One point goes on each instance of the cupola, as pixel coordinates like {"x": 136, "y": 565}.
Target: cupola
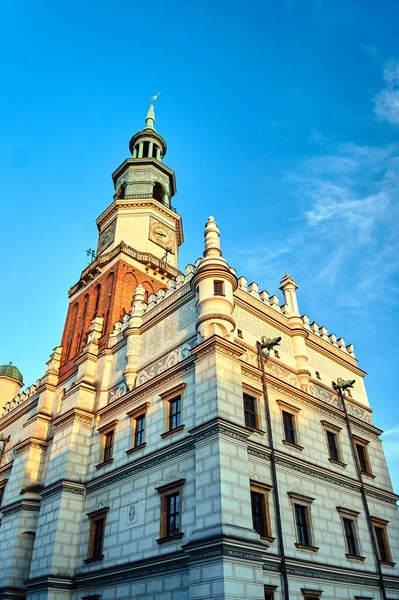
{"x": 11, "y": 381}
{"x": 148, "y": 143}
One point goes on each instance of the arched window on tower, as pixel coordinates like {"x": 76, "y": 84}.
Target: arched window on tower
{"x": 72, "y": 326}
{"x": 154, "y": 151}
{"x": 146, "y": 148}
{"x": 158, "y": 192}
{"x": 97, "y": 300}
{"x": 82, "y": 333}
{"x": 137, "y": 146}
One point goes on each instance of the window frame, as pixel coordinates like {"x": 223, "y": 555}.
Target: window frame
{"x": 216, "y": 283}
{"x": 3, "y": 485}
{"x": 269, "y": 591}
{"x": 168, "y": 397}
{"x": 334, "y": 430}
{"x": 364, "y": 444}
{"x": 293, "y": 411}
{"x": 382, "y": 524}
{"x": 104, "y": 432}
{"x": 263, "y": 490}
{"x": 351, "y": 515}
{"x": 165, "y": 492}
{"x": 305, "y": 502}
{"x": 134, "y": 414}
{"x": 311, "y": 594}
{"x": 95, "y": 517}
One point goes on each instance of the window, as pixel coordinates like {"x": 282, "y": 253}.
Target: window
{"x": 311, "y": 594}
{"x": 174, "y": 413}
{"x": 250, "y": 411}
{"x": 158, "y": 192}
{"x": 289, "y": 428}
{"x": 146, "y": 147}
{"x": 349, "y": 527}
{"x": 173, "y": 409}
{"x": 107, "y": 433}
{"x": 276, "y": 353}
{"x": 108, "y": 445}
{"x": 289, "y": 422}
{"x": 362, "y": 455}
{"x": 96, "y": 536}
{"x": 381, "y": 538}
{"x": 303, "y": 522}
{"x": 139, "y": 431}
{"x": 302, "y": 525}
{"x": 138, "y": 418}
{"x": 2, "y": 490}
{"x": 218, "y": 288}
{"x": 332, "y": 440}
{"x": 318, "y": 375}
{"x": 260, "y": 508}
{"x": 171, "y": 511}
{"x": 269, "y": 591}
{"x": 239, "y": 334}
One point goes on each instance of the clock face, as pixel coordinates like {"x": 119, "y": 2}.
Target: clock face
{"x": 106, "y": 237}
{"x": 161, "y": 234}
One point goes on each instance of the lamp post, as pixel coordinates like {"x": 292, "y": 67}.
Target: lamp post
{"x": 340, "y": 386}
{"x": 264, "y": 348}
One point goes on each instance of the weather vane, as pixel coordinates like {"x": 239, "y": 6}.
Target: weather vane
{"x": 91, "y": 253}
{"x": 154, "y": 98}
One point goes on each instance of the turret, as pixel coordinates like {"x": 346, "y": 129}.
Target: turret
{"x": 214, "y": 284}
{"x": 11, "y": 381}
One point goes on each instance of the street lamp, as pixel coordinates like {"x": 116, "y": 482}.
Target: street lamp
{"x": 341, "y": 386}
{"x": 265, "y": 346}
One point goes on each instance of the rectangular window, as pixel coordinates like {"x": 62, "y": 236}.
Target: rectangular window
{"x": 302, "y": 525}
{"x": 218, "y": 288}
{"x": 173, "y": 514}
{"x": 108, "y": 445}
{"x": 350, "y": 536}
{"x": 269, "y": 592}
{"x": 332, "y": 440}
{"x": 175, "y": 413}
{"x": 289, "y": 427}
{"x": 139, "y": 432}
{"x": 258, "y": 513}
{"x": 171, "y": 510}
{"x": 2, "y": 490}
{"x": 362, "y": 456}
{"x": 96, "y": 536}
{"x": 250, "y": 411}
{"x": 381, "y": 538}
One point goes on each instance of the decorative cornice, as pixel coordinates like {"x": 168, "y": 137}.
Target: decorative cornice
{"x": 20, "y": 505}
{"x": 28, "y": 444}
{"x": 74, "y": 414}
{"x": 215, "y": 343}
{"x": 219, "y": 426}
{"x": 63, "y": 487}
{"x": 49, "y": 582}
{"x": 215, "y": 316}
{"x": 167, "y": 305}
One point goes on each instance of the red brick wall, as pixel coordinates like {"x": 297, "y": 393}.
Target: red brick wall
{"x": 109, "y": 296}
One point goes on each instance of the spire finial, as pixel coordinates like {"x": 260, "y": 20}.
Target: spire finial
{"x": 150, "y": 118}
{"x": 212, "y": 238}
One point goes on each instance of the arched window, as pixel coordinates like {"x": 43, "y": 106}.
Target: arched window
{"x": 157, "y": 192}
{"x": 154, "y": 151}
{"x": 107, "y": 302}
{"x": 74, "y": 315}
{"x": 82, "y": 332}
{"x": 137, "y": 146}
{"x": 97, "y": 300}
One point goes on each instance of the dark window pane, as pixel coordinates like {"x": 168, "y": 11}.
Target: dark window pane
{"x": 351, "y": 542}
{"x": 289, "y": 430}
{"x": 174, "y": 413}
{"x": 362, "y": 456}
{"x": 258, "y": 513}
{"x": 98, "y": 540}
{"x": 302, "y": 526}
{"x": 250, "y": 411}
{"x": 381, "y": 543}
{"x": 140, "y": 430}
{"x": 269, "y": 596}
{"x": 109, "y": 445}
{"x": 218, "y": 288}
{"x": 332, "y": 445}
{"x": 173, "y": 514}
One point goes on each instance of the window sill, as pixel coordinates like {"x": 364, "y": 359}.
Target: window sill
{"x": 267, "y": 538}
{"x": 291, "y": 445}
{"x": 131, "y": 450}
{"x": 105, "y": 463}
{"x": 307, "y": 548}
{"x": 337, "y": 462}
{"x": 356, "y": 558}
{"x": 167, "y": 433}
{"x": 254, "y": 429}
{"x": 368, "y": 474}
{"x": 386, "y": 563}
{"x": 171, "y": 538}
{"x": 93, "y": 559}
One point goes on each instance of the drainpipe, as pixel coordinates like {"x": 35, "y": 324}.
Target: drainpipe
{"x": 261, "y": 346}
{"x": 340, "y": 386}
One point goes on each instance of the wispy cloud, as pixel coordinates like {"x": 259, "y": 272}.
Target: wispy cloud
{"x": 387, "y": 101}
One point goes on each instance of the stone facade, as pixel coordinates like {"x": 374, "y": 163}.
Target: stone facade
{"x": 86, "y": 505}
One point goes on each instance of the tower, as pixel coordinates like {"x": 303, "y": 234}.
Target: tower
{"x": 139, "y": 235}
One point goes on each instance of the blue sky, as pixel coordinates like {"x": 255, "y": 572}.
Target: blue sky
{"x": 282, "y": 121}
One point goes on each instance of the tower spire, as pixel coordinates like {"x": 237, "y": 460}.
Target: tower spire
{"x": 150, "y": 118}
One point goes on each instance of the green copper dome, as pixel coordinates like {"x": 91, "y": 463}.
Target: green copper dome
{"x": 11, "y": 371}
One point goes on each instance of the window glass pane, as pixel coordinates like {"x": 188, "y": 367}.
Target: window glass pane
{"x": 302, "y": 525}
{"x": 362, "y": 455}
{"x": 332, "y": 445}
{"x": 258, "y": 513}
{"x": 250, "y": 411}
{"x": 349, "y": 528}
{"x": 381, "y": 543}
{"x": 140, "y": 429}
{"x": 289, "y": 431}
{"x": 175, "y": 413}
{"x": 98, "y": 537}
{"x": 173, "y": 514}
{"x": 108, "y": 446}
